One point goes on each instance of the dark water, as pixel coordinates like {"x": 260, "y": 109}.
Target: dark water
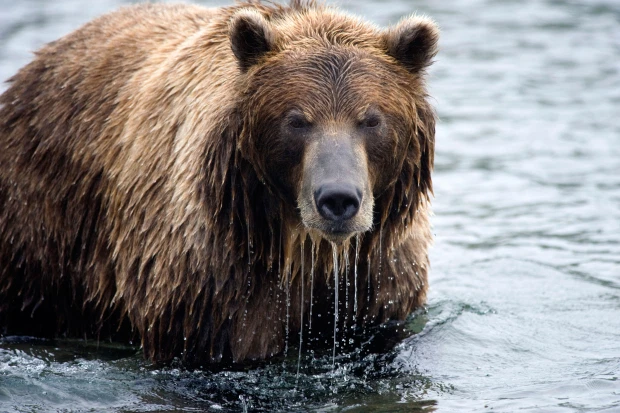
{"x": 524, "y": 306}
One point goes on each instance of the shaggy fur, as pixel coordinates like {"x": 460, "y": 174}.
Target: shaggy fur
{"x": 144, "y": 192}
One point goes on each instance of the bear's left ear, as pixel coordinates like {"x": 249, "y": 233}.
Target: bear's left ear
{"x": 413, "y": 42}
{"x": 251, "y": 36}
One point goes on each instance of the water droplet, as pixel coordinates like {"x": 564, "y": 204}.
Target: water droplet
{"x": 357, "y": 256}
{"x": 301, "y": 311}
{"x": 335, "y": 264}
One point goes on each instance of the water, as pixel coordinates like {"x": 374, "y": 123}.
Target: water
{"x": 302, "y": 274}
{"x": 524, "y": 303}
{"x": 336, "y": 313}
{"x": 357, "y": 256}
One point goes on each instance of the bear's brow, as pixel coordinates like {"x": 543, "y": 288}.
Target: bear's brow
{"x": 333, "y": 67}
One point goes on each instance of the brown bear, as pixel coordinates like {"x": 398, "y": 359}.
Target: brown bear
{"x": 208, "y": 180}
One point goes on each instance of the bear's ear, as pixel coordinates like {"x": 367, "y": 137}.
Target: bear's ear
{"x": 413, "y": 42}
{"x": 251, "y": 37}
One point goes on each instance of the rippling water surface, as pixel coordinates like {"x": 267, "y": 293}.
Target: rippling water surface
{"x": 524, "y": 306}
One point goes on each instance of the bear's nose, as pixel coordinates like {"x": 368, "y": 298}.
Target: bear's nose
{"x": 338, "y": 201}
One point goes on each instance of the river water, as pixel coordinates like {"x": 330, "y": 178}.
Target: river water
{"x": 524, "y": 305}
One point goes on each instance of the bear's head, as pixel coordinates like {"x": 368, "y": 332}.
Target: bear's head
{"x": 336, "y": 121}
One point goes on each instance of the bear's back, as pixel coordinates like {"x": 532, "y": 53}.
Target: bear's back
{"x": 57, "y": 162}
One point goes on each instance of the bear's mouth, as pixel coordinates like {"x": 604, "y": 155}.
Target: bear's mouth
{"x": 337, "y": 235}
{"x": 337, "y": 232}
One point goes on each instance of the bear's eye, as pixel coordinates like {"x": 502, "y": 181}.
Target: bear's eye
{"x": 371, "y": 121}
{"x": 298, "y": 121}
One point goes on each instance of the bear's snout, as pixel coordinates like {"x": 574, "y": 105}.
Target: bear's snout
{"x": 335, "y": 196}
{"x": 338, "y": 201}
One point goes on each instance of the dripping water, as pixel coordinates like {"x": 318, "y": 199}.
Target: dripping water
{"x": 249, "y": 246}
{"x": 366, "y": 320}
{"x": 301, "y": 311}
{"x": 270, "y": 264}
{"x": 280, "y": 254}
{"x": 249, "y": 278}
{"x": 380, "y": 263}
{"x": 346, "y": 283}
{"x": 288, "y": 308}
{"x": 311, "y": 292}
{"x": 357, "y": 256}
{"x": 280, "y": 283}
{"x": 335, "y": 257}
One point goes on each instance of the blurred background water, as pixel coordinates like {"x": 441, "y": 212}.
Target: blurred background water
{"x": 524, "y": 306}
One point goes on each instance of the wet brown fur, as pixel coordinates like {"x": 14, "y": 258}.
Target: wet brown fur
{"x": 135, "y": 202}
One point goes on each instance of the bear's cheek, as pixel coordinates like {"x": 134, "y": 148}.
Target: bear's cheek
{"x": 281, "y": 160}
{"x": 384, "y": 155}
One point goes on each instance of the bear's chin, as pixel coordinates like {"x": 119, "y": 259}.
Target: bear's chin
{"x": 334, "y": 234}
{"x": 337, "y": 237}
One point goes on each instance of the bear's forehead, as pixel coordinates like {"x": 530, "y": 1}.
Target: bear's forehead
{"x": 329, "y": 63}
{"x": 332, "y": 70}
{"x": 323, "y": 27}
{"x": 331, "y": 82}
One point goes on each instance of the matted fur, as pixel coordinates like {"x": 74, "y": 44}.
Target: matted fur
{"x": 136, "y": 202}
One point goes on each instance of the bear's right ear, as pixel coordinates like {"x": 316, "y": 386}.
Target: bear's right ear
{"x": 251, "y": 37}
{"x": 413, "y": 42}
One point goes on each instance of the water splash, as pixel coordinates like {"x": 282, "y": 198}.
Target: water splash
{"x": 244, "y": 404}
